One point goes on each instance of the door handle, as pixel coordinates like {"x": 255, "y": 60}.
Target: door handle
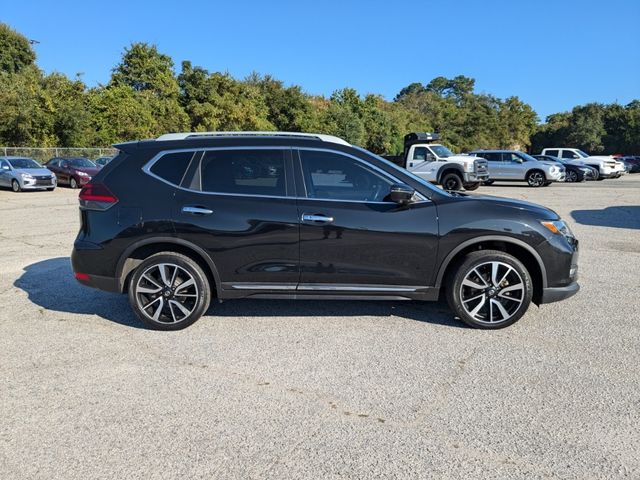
{"x": 316, "y": 218}
{"x": 196, "y": 210}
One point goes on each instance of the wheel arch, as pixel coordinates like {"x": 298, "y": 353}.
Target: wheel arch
{"x": 138, "y": 251}
{"x": 519, "y": 249}
{"x": 452, "y": 168}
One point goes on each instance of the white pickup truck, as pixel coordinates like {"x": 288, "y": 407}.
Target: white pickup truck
{"x": 607, "y": 166}
{"x": 437, "y": 164}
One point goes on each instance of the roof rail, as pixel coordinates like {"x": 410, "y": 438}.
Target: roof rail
{"x": 318, "y": 136}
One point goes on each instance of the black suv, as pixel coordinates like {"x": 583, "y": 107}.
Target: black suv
{"x": 185, "y": 218}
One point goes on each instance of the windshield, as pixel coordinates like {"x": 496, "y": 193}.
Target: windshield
{"x": 582, "y": 154}
{"x": 403, "y": 171}
{"x": 527, "y": 157}
{"x": 441, "y": 151}
{"x": 81, "y": 163}
{"x": 24, "y": 163}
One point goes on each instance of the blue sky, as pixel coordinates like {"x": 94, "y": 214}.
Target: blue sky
{"x": 552, "y": 54}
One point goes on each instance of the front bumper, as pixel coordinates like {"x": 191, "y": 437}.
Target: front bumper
{"x": 473, "y": 177}
{"x": 556, "y": 177}
{"x": 555, "y": 294}
{"x": 37, "y": 183}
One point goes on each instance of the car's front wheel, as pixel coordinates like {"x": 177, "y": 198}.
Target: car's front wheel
{"x": 489, "y": 289}
{"x": 572, "y": 176}
{"x": 452, "y": 181}
{"x": 471, "y": 186}
{"x": 169, "y": 291}
{"x": 536, "y": 178}
{"x": 15, "y": 186}
{"x": 73, "y": 183}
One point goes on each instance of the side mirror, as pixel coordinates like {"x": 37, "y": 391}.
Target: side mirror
{"x": 5, "y": 167}
{"x": 64, "y": 165}
{"x": 401, "y": 193}
{"x": 431, "y": 157}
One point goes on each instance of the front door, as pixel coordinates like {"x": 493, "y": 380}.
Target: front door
{"x": 352, "y": 238}
{"x": 240, "y": 208}
{"x": 5, "y": 174}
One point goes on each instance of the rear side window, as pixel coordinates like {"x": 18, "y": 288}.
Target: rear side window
{"x": 244, "y": 172}
{"x": 171, "y": 166}
{"x": 553, "y": 153}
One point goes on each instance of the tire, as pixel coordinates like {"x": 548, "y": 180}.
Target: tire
{"x": 546, "y": 184}
{"x": 488, "y": 182}
{"x": 571, "y": 176}
{"x": 451, "y": 181}
{"x": 471, "y": 186}
{"x": 73, "y": 183}
{"x": 51, "y": 189}
{"x": 470, "y": 303}
{"x": 536, "y": 178}
{"x": 15, "y": 186}
{"x": 159, "y": 301}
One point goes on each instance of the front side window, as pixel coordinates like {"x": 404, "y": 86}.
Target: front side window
{"x": 568, "y": 154}
{"x": 331, "y": 176}
{"x": 4, "y": 165}
{"x": 244, "y": 172}
{"x": 171, "y": 166}
{"x": 420, "y": 153}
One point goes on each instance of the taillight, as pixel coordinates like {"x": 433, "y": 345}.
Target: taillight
{"x": 96, "y": 196}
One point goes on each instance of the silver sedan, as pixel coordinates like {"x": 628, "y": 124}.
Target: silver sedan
{"x": 20, "y": 173}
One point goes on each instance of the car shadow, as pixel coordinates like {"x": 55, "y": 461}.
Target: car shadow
{"x": 627, "y": 216}
{"x": 50, "y": 284}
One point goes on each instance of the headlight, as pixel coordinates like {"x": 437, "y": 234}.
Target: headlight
{"x": 469, "y": 167}
{"x": 553, "y": 169}
{"x": 26, "y": 176}
{"x": 82, "y": 174}
{"x": 558, "y": 227}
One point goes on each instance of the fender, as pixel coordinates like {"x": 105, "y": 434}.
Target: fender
{"x": 491, "y": 238}
{"x": 177, "y": 241}
{"x": 450, "y": 166}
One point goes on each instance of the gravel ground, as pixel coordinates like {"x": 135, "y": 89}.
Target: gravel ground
{"x": 280, "y": 389}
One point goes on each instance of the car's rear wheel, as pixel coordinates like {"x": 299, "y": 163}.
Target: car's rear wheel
{"x": 169, "y": 291}
{"x": 15, "y": 185}
{"x": 73, "y": 183}
{"x": 452, "y": 181}
{"x": 471, "y": 186}
{"x": 536, "y": 178}
{"x": 572, "y": 176}
{"x": 489, "y": 289}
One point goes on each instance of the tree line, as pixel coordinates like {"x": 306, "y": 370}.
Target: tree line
{"x": 145, "y": 98}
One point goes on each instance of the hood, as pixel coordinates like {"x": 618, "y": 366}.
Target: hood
{"x": 88, "y": 170}
{"x": 551, "y": 164}
{"x": 36, "y": 172}
{"x": 541, "y": 212}
{"x": 463, "y": 158}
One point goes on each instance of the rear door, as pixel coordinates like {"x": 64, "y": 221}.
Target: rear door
{"x": 494, "y": 161}
{"x": 238, "y": 205}
{"x": 352, "y": 238}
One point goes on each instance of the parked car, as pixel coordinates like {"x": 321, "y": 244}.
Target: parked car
{"x": 102, "y": 161}
{"x": 72, "y": 171}
{"x": 631, "y": 162}
{"x": 607, "y": 166}
{"x": 513, "y": 165}
{"x": 437, "y": 164}
{"x": 575, "y": 171}
{"x": 179, "y": 220}
{"x": 21, "y": 173}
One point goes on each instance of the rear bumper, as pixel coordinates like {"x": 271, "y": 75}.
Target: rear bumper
{"x": 108, "y": 284}
{"x": 555, "y": 294}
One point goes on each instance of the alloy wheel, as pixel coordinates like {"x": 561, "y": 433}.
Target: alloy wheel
{"x": 492, "y": 292}
{"x": 166, "y": 293}
{"x": 572, "y": 176}
{"x": 15, "y": 186}
{"x": 536, "y": 179}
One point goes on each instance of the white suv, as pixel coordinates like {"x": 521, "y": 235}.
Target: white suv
{"x": 607, "y": 166}
{"x": 513, "y": 165}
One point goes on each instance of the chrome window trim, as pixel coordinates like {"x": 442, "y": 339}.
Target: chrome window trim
{"x": 146, "y": 168}
{"x": 384, "y": 173}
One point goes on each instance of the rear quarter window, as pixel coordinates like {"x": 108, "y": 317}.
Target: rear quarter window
{"x": 172, "y": 166}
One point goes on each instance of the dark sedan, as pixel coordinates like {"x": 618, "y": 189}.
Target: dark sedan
{"x": 72, "y": 171}
{"x": 576, "y": 171}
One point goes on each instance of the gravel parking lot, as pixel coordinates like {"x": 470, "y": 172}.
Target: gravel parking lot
{"x": 281, "y": 389}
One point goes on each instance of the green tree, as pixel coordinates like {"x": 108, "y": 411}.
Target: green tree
{"x": 15, "y": 50}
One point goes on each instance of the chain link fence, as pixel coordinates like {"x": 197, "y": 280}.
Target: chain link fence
{"x": 42, "y": 155}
